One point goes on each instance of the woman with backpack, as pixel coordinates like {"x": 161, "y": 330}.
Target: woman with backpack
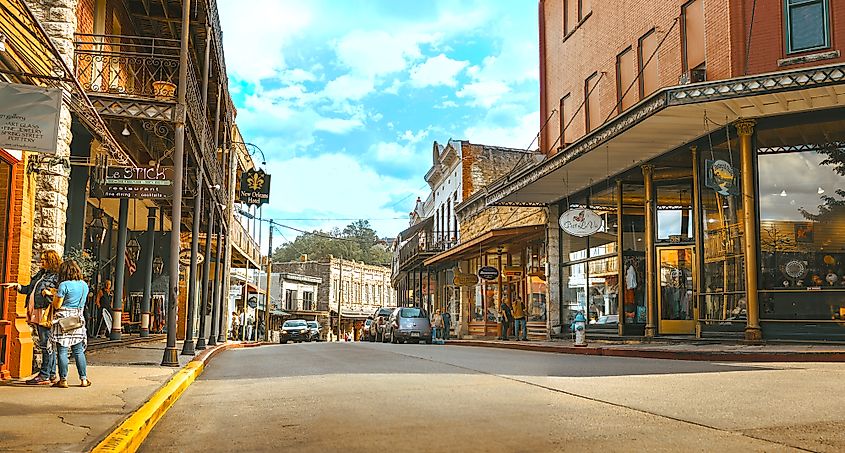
{"x": 68, "y": 330}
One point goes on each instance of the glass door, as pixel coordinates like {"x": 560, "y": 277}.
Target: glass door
{"x": 675, "y": 295}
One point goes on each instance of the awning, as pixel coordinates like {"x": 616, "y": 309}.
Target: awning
{"x": 353, "y": 314}
{"x": 413, "y": 229}
{"x": 279, "y": 313}
{"x": 666, "y": 120}
{"x": 492, "y": 238}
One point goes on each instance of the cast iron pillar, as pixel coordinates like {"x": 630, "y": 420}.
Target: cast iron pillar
{"x": 745, "y": 130}
{"x": 620, "y": 255}
{"x": 188, "y": 345}
{"x": 206, "y": 265}
{"x": 216, "y": 283}
{"x": 119, "y": 270}
{"x": 650, "y": 252}
{"x": 148, "y": 272}
{"x": 171, "y": 354}
{"x": 222, "y": 295}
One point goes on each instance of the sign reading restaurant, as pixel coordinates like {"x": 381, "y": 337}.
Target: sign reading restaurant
{"x": 134, "y": 182}
{"x": 29, "y": 117}
{"x": 255, "y": 188}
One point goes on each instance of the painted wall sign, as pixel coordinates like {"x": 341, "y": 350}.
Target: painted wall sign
{"x": 133, "y": 182}
{"x": 721, "y": 177}
{"x": 255, "y": 188}
{"x": 465, "y": 280}
{"x": 488, "y": 273}
{"x": 580, "y": 222}
{"x": 29, "y": 117}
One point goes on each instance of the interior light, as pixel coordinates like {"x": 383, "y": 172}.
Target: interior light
{"x": 2, "y": 42}
{"x": 125, "y": 132}
{"x": 711, "y": 220}
{"x": 783, "y": 193}
{"x": 821, "y": 191}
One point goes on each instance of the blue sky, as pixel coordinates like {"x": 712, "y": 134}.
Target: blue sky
{"x": 346, "y": 97}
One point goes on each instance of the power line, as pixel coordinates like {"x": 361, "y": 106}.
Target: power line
{"x": 386, "y": 218}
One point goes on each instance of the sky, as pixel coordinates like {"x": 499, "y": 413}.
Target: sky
{"x": 346, "y": 97}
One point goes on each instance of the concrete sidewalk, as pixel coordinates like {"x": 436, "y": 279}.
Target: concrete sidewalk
{"x": 45, "y": 419}
{"x": 674, "y": 350}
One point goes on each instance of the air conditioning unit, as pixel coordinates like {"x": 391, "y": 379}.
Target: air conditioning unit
{"x": 693, "y": 76}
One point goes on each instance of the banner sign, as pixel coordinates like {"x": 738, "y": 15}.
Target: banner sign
{"x": 580, "y": 222}
{"x": 465, "y": 280}
{"x": 29, "y": 117}
{"x": 133, "y": 182}
{"x": 488, "y": 273}
{"x": 721, "y": 177}
{"x": 255, "y": 188}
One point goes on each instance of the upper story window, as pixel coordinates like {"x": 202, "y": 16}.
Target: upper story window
{"x": 574, "y": 11}
{"x": 626, "y": 73}
{"x": 592, "y": 112}
{"x": 564, "y": 109}
{"x": 807, "y": 25}
{"x": 647, "y": 63}
{"x": 692, "y": 14}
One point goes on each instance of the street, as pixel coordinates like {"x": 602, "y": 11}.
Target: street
{"x": 383, "y": 397}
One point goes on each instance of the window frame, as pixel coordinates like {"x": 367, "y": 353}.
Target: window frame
{"x": 587, "y": 82}
{"x": 619, "y": 94}
{"x": 787, "y": 30}
{"x": 641, "y": 61}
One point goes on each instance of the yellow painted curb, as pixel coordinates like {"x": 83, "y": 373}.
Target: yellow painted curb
{"x": 129, "y": 436}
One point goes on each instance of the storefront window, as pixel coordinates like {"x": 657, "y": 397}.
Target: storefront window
{"x": 537, "y": 287}
{"x": 723, "y": 272}
{"x": 674, "y": 215}
{"x": 802, "y": 235}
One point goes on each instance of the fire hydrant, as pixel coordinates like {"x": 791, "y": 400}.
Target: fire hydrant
{"x": 579, "y": 328}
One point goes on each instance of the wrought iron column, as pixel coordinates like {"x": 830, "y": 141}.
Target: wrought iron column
{"x": 188, "y": 345}
{"x": 171, "y": 354}
{"x": 620, "y": 256}
{"x": 697, "y": 225}
{"x": 215, "y": 298}
{"x": 650, "y": 252}
{"x": 206, "y": 265}
{"x": 745, "y": 130}
{"x": 223, "y": 294}
{"x": 269, "y": 285}
{"x": 119, "y": 270}
{"x": 148, "y": 272}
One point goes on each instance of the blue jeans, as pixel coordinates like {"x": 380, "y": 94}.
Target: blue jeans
{"x": 521, "y": 326}
{"x": 78, "y": 352}
{"x": 446, "y": 328}
{"x": 48, "y": 358}
{"x": 434, "y": 333}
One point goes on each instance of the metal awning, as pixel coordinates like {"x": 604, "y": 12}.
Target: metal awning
{"x": 666, "y": 120}
{"x": 492, "y": 238}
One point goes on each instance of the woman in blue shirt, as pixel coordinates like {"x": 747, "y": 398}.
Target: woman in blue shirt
{"x": 69, "y": 300}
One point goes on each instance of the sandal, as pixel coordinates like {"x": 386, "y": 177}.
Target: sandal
{"x": 85, "y": 383}
{"x": 61, "y": 384}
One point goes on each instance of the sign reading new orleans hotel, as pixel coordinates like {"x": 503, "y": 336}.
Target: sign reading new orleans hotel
{"x": 134, "y": 182}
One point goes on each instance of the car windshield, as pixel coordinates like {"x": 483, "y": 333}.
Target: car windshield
{"x": 412, "y": 313}
{"x": 385, "y": 312}
{"x": 313, "y": 324}
{"x": 293, "y": 324}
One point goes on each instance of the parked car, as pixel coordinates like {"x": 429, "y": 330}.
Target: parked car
{"x": 294, "y": 330}
{"x": 408, "y": 324}
{"x": 379, "y": 321}
{"x": 313, "y": 331}
{"x": 608, "y": 319}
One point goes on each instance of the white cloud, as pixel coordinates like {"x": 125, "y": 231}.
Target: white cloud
{"x": 439, "y": 70}
{"x": 392, "y": 152}
{"x": 447, "y": 104}
{"x": 337, "y": 125}
{"x": 484, "y": 93}
{"x": 518, "y": 134}
{"x": 348, "y": 87}
{"x": 414, "y": 138}
{"x": 376, "y": 53}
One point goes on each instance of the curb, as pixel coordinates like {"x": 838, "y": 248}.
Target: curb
{"x": 698, "y": 356}
{"x": 130, "y": 434}
{"x": 115, "y": 343}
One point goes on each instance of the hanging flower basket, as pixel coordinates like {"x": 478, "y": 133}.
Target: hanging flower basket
{"x": 164, "y": 90}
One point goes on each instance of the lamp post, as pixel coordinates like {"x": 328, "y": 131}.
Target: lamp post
{"x": 134, "y": 249}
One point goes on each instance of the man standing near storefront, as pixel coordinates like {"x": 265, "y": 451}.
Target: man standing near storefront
{"x": 520, "y": 326}
{"x": 505, "y": 317}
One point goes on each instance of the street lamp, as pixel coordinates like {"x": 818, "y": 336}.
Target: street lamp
{"x": 158, "y": 264}
{"x": 134, "y": 248}
{"x": 97, "y": 229}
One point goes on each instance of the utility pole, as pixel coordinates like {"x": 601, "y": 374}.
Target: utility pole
{"x": 340, "y": 297}
{"x": 269, "y": 279}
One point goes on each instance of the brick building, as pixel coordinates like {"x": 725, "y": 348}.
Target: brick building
{"x": 673, "y": 123}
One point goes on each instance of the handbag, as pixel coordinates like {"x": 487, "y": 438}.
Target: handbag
{"x": 70, "y": 323}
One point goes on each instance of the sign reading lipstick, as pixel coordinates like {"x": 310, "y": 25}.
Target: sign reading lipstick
{"x": 581, "y": 222}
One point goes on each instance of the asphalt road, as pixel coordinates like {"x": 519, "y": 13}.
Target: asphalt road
{"x": 382, "y": 398}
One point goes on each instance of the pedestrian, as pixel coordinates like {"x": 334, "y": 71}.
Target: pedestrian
{"x": 39, "y": 312}
{"x": 436, "y": 325}
{"x": 505, "y": 317}
{"x": 105, "y": 299}
{"x": 447, "y": 324}
{"x": 236, "y": 324}
{"x": 521, "y": 327}
{"x": 68, "y": 330}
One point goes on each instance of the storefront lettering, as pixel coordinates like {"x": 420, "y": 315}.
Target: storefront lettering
{"x": 580, "y": 222}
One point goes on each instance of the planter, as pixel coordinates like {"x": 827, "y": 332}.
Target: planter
{"x": 164, "y": 90}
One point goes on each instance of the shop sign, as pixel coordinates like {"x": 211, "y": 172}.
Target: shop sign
{"x": 512, "y": 271}
{"x": 465, "y": 280}
{"x": 133, "y": 182}
{"x": 29, "y": 117}
{"x": 185, "y": 257}
{"x": 255, "y": 188}
{"x": 236, "y": 291}
{"x": 580, "y": 222}
{"x": 721, "y": 177}
{"x": 488, "y": 273}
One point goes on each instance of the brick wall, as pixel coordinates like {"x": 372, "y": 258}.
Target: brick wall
{"x": 85, "y": 16}
{"x": 612, "y": 27}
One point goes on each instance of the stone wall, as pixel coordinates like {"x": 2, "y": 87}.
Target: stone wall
{"x": 58, "y": 17}
{"x": 495, "y": 217}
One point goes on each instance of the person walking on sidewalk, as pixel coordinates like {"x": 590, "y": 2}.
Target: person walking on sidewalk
{"x": 69, "y": 302}
{"x": 505, "y": 316}
{"x": 105, "y": 299}
{"x": 436, "y": 325}
{"x": 39, "y": 311}
{"x": 447, "y": 324}
{"x": 520, "y": 326}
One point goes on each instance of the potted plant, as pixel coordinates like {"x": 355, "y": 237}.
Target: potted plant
{"x": 164, "y": 90}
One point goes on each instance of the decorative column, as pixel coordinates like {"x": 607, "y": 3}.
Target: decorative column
{"x": 698, "y": 233}
{"x": 188, "y": 344}
{"x": 650, "y": 252}
{"x": 119, "y": 270}
{"x": 620, "y": 256}
{"x": 206, "y": 271}
{"x": 215, "y": 297}
{"x": 745, "y": 130}
{"x": 148, "y": 272}
{"x": 553, "y": 307}
{"x": 223, "y": 296}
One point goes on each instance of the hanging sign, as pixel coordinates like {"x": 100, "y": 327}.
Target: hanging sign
{"x": 721, "y": 177}
{"x": 133, "y": 182}
{"x": 255, "y": 188}
{"x": 488, "y": 273}
{"x": 512, "y": 271}
{"x": 580, "y": 222}
{"x": 465, "y": 280}
{"x": 185, "y": 257}
{"x": 29, "y": 117}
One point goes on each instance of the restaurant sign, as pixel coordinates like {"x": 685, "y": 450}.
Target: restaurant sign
{"x": 580, "y": 222}
{"x": 29, "y": 117}
{"x": 255, "y": 188}
{"x": 488, "y": 273}
{"x": 133, "y": 182}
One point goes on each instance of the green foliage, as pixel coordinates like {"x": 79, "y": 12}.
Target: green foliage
{"x": 357, "y": 241}
{"x": 86, "y": 262}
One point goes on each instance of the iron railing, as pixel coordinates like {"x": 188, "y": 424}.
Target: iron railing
{"x": 245, "y": 242}
{"x": 427, "y": 242}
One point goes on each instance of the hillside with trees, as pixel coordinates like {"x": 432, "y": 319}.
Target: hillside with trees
{"x": 357, "y": 241}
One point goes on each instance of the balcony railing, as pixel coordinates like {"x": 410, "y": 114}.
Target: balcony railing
{"x": 244, "y": 242}
{"x": 127, "y": 65}
{"x": 427, "y": 243}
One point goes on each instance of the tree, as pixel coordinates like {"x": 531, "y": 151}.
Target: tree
{"x": 358, "y": 241}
